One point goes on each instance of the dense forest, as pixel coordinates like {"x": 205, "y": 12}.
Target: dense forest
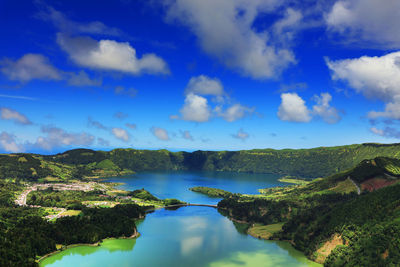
{"x": 82, "y": 163}
{"x": 328, "y": 220}
{"x": 24, "y": 234}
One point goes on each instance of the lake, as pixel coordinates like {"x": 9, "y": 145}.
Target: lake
{"x": 188, "y": 236}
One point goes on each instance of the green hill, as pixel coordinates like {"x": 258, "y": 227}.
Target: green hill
{"x": 301, "y": 163}
{"x": 306, "y": 163}
{"x": 328, "y": 220}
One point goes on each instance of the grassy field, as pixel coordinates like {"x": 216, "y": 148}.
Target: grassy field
{"x": 71, "y": 213}
{"x": 290, "y": 180}
{"x": 264, "y": 231}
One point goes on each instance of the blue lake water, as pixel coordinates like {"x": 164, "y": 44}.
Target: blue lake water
{"x": 188, "y": 236}
{"x": 176, "y": 184}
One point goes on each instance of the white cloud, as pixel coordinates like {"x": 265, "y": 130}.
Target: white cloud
{"x": 392, "y": 110}
{"x": 160, "y": 133}
{"x": 121, "y": 134}
{"x": 186, "y": 135}
{"x": 29, "y": 67}
{"x": 293, "y": 108}
{"x": 11, "y": 114}
{"x": 203, "y": 85}
{"x": 8, "y": 143}
{"x": 57, "y": 137}
{"x": 285, "y": 28}
{"x": 324, "y": 110}
{"x": 234, "y": 112}
{"x": 131, "y": 126}
{"x": 241, "y": 134}
{"x": 225, "y": 30}
{"x": 38, "y": 67}
{"x": 375, "y": 78}
{"x": 110, "y": 55}
{"x": 372, "y": 22}
{"x": 195, "y": 109}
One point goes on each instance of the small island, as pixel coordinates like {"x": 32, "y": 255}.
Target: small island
{"x": 211, "y": 192}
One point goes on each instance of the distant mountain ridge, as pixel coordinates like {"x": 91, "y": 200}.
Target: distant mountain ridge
{"x": 305, "y": 163}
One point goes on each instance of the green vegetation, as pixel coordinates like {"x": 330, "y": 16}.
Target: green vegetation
{"x": 293, "y": 180}
{"x": 24, "y": 234}
{"x": 264, "y": 231}
{"x": 86, "y": 163}
{"x": 143, "y": 194}
{"x": 72, "y": 217}
{"x": 63, "y": 199}
{"x": 211, "y": 192}
{"x": 327, "y": 219}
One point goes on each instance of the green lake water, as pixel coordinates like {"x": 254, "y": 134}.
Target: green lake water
{"x": 188, "y": 236}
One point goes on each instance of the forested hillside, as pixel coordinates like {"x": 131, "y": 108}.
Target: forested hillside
{"x": 329, "y": 220}
{"x": 302, "y": 163}
{"x": 307, "y": 163}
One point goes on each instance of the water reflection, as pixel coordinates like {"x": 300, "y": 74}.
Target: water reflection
{"x": 190, "y": 236}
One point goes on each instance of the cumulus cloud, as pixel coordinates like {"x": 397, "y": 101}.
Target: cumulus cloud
{"x": 17, "y": 117}
{"x": 203, "y": 85}
{"x": 29, "y": 67}
{"x": 186, "y": 135}
{"x": 9, "y": 144}
{"x": 293, "y": 108}
{"x": 234, "y": 112}
{"x": 198, "y": 108}
{"x": 392, "y": 110}
{"x": 241, "y": 134}
{"x": 324, "y": 110}
{"x": 131, "y": 126}
{"x": 375, "y": 78}
{"x": 57, "y": 137}
{"x": 110, "y": 55}
{"x": 160, "y": 133}
{"x": 195, "y": 109}
{"x": 371, "y": 22}
{"x": 120, "y": 90}
{"x": 121, "y": 134}
{"x": 225, "y": 30}
{"x": 285, "y": 28}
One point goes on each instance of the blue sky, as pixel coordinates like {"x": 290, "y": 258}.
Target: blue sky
{"x": 188, "y": 75}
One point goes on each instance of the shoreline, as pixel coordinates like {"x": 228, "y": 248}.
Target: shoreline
{"x": 269, "y": 239}
{"x": 97, "y": 244}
